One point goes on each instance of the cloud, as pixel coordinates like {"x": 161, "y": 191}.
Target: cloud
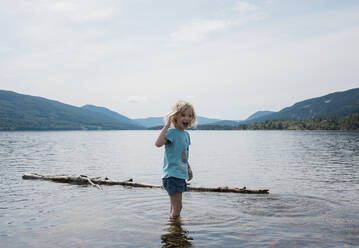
{"x": 81, "y": 11}
{"x": 136, "y": 99}
{"x": 243, "y": 6}
{"x": 249, "y": 12}
{"x": 198, "y": 31}
{"x": 8, "y": 76}
{"x": 6, "y": 49}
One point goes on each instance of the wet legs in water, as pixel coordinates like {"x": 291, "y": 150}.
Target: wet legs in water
{"x": 176, "y": 205}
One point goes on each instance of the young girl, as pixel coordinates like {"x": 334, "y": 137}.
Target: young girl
{"x": 176, "y": 169}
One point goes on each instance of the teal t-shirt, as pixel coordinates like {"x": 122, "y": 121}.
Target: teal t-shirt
{"x": 176, "y": 154}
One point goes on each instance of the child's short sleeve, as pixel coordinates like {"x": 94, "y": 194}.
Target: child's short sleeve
{"x": 170, "y": 134}
{"x": 189, "y": 138}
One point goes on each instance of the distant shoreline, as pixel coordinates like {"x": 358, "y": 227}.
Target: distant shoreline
{"x": 349, "y": 123}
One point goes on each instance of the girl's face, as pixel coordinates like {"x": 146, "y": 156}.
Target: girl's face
{"x": 184, "y": 119}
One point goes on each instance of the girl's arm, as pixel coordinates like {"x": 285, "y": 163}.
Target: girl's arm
{"x": 190, "y": 173}
{"x": 161, "y": 140}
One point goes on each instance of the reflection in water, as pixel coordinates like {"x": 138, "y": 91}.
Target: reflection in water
{"x": 176, "y": 236}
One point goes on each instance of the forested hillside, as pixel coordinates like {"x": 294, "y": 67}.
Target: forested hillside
{"x": 338, "y": 104}
{"x": 336, "y": 111}
{"x": 24, "y": 112}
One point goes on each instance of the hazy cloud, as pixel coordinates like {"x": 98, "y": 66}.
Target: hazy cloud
{"x": 81, "y": 11}
{"x": 198, "y": 31}
{"x": 137, "y": 99}
{"x": 243, "y": 6}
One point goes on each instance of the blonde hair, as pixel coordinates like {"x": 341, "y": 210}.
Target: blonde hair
{"x": 178, "y": 108}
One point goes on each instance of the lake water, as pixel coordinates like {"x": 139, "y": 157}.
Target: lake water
{"x": 313, "y": 178}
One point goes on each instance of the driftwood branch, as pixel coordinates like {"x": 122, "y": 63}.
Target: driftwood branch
{"x": 90, "y": 182}
{"x": 105, "y": 181}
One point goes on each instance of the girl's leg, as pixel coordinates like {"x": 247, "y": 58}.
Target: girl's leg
{"x": 176, "y": 204}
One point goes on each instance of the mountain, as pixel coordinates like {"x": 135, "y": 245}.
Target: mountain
{"x": 111, "y": 114}
{"x": 338, "y": 104}
{"x": 150, "y": 121}
{"x": 227, "y": 123}
{"x": 25, "y": 112}
{"x": 259, "y": 114}
{"x": 205, "y": 121}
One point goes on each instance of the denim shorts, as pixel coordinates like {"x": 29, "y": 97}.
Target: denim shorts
{"x": 173, "y": 185}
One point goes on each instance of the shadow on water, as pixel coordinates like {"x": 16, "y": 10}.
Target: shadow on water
{"x": 176, "y": 236}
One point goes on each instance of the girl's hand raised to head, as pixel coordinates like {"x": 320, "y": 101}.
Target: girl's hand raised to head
{"x": 168, "y": 121}
{"x": 161, "y": 140}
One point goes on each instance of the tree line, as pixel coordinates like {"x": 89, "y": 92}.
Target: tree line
{"x": 350, "y": 122}
{"x": 347, "y": 123}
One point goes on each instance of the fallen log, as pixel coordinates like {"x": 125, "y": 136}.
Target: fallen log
{"x": 84, "y": 180}
{"x": 243, "y": 190}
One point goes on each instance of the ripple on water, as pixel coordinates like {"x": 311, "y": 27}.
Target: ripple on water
{"x": 287, "y": 206}
{"x": 36, "y": 213}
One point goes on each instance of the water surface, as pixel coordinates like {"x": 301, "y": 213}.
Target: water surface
{"x": 313, "y": 179}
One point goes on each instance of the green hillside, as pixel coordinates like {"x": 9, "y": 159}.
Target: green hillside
{"x": 338, "y": 105}
{"x": 24, "y": 112}
{"x": 336, "y": 111}
{"x": 113, "y": 115}
{"x": 348, "y": 123}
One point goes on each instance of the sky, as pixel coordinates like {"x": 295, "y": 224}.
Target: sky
{"x": 229, "y": 58}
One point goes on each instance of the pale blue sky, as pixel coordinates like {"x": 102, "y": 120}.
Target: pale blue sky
{"x": 230, "y": 58}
